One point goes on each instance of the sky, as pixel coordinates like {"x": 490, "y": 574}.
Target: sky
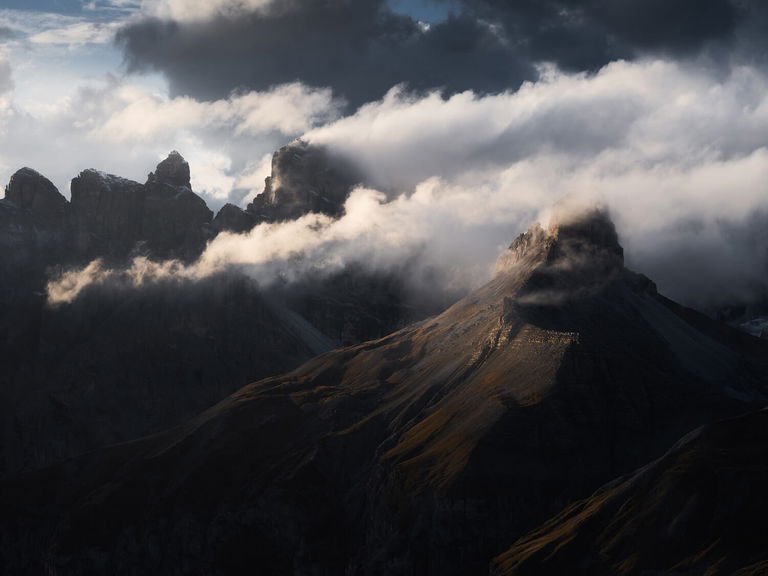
{"x": 469, "y": 118}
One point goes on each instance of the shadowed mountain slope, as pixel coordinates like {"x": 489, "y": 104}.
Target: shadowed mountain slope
{"x": 697, "y": 510}
{"x": 119, "y": 363}
{"x": 425, "y": 452}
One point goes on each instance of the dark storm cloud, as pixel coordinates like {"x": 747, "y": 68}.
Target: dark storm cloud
{"x": 751, "y": 43}
{"x": 586, "y": 34}
{"x": 360, "y": 48}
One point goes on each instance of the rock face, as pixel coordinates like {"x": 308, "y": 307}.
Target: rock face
{"x": 17, "y": 241}
{"x": 696, "y": 510}
{"x": 305, "y": 178}
{"x": 175, "y": 221}
{"x": 20, "y": 275}
{"x": 232, "y": 219}
{"x": 113, "y": 216}
{"x": 107, "y": 215}
{"x": 173, "y": 171}
{"x": 425, "y": 452}
{"x": 33, "y": 204}
{"x": 176, "y": 224}
{"x": 30, "y": 191}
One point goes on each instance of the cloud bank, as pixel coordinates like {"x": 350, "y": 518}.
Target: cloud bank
{"x": 124, "y": 129}
{"x": 358, "y": 48}
{"x": 678, "y": 154}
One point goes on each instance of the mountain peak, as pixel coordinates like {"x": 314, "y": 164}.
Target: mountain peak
{"x": 586, "y": 231}
{"x": 305, "y": 178}
{"x": 174, "y": 170}
{"x": 30, "y": 190}
{"x": 583, "y": 238}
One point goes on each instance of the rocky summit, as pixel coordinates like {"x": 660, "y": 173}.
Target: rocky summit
{"x": 34, "y": 193}
{"x": 111, "y": 217}
{"x": 173, "y": 172}
{"x": 233, "y": 219}
{"x": 106, "y": 214}
{"x": 305, "y": 178}
{"x": 428, "y": 451}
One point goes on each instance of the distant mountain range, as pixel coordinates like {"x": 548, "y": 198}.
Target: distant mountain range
{"x": 118, "y": 364}
{"x": 114, "y": 218}
{"x": 434, "y": 449}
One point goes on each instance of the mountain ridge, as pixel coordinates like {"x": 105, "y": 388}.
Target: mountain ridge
{"x": 426, "y": 451}
{"x": 166, "y": 350}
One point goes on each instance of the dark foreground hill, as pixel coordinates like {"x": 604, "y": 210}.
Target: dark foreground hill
{"x": 425, "y": 452}
{"x": 700, "y": 509}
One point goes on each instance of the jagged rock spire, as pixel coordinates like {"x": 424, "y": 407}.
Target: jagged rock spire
{"x": 174, "y": 170}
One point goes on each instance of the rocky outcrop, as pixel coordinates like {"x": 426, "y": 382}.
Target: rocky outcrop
{"x": 305, "y": 178}
{"x": 425, "y": 452}
{"x": 17, "y": 237}
{"x": 696, "y": 510}
{"x": 32, "y": 192}
{"x": 575, "y": 239}
{"x": 233, "y": 219}
{"x": 111, "y": 217}
{"x": 107, "y": 215}
{"x": 173, "y": 172}
{"x": 33, "y": 204}
{"x": 582, "y": 255}
{"x": 114, "y": 217}
{"x": 587, "y": 235}
{"x": 175, "y": 221}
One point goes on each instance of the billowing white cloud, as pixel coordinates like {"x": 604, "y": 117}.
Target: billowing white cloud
{"x": 456, "y": 231}
{"x": 432, "y": 223}
{"x": 679, "y": 155}
{"x": 128, "y": 114}
{"x": 125, "y": 129}
{"x": 629, "y": 114}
